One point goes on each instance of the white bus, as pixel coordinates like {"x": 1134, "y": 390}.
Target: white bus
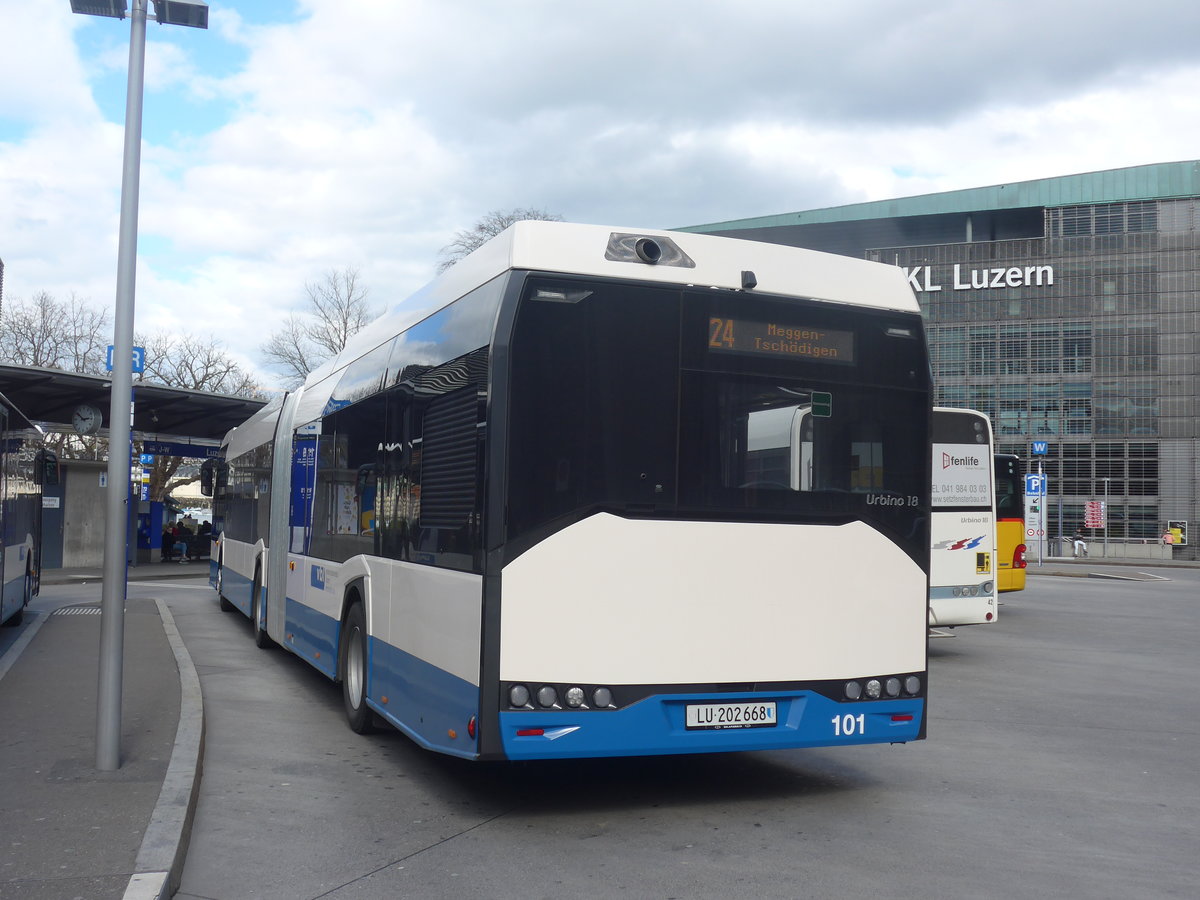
{"x": 534, "y": 511}
{"x": 24, "y": 468}
{"x": 962, "y": 562}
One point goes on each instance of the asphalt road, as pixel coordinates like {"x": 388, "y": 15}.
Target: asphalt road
{"x": 1061, "y": 761}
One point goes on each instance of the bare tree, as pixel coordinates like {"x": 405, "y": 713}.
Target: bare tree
{"x": 54, "y": 334}
{"x": 336, "y": 310}
{"x": 484, "y": 230}
{"x": 195, "y": 364}
{"x": 187, "y": 361}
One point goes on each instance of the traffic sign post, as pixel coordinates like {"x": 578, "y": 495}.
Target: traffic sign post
{"x": 1036, "y": 488}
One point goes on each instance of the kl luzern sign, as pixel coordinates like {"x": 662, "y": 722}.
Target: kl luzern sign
{"x": 920, "y": 278}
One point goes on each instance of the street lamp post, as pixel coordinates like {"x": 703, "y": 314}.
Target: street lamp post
{"x": 120, "y": 413}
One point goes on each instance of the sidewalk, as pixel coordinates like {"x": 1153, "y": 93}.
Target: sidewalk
{"x": 155, "y": 571}
{"x": 1079, "y": 568}
{"x": 68, "y": 829}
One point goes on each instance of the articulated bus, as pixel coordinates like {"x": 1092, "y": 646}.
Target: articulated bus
{"x": 549, "y": 507}
{"x": 1010, "y": 523}
{"x": 24, "y": 466}
{"x": 962, "y": 560}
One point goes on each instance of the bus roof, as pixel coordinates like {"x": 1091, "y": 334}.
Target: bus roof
{"x": 699, "y": 260}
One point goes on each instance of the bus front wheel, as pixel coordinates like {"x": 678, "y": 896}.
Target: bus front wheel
{"x": 353, "y": 666}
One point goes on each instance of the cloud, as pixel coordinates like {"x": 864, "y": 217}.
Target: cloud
{"x": 278, "y": 149}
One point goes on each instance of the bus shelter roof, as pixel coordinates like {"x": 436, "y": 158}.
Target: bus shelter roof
{"x": 52, "y": 395}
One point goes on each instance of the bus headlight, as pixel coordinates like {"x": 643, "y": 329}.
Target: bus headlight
{"x": 912, "y": 684}
{"x": 602, "y": 697}
{"x": 988, "y": 587}
{"x": 547, "y": 696}
{"x": 874, "y": 689}
{"x": 575, "y": 697}
{"x": 853, "y": 690}
{"x": 892, "y": 687}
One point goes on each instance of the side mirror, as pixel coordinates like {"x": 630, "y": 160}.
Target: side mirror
{"x": 45, "y": 468}
{"x": 207, "y": 473}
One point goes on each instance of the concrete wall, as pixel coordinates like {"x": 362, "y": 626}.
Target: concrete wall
{"x": 83, "y": 513}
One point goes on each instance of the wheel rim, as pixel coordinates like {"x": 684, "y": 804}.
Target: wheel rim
{"x": 354, "y": 668}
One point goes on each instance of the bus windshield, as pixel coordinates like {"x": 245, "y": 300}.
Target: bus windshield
{"x": 714, "y": 420}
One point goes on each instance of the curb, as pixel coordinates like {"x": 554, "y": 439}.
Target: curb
{"x": 159, "y": 865}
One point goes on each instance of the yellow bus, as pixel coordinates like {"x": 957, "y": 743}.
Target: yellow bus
{"x": 1010, "y": 523}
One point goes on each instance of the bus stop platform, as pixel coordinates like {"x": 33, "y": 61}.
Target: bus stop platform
{"x": 68, "y": 829}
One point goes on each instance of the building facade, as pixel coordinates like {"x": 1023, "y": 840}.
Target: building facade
{"x": 1065, "y": 308}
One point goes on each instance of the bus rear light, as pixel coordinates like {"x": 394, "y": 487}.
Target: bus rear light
{"x": 518, "y": 695}
{"x": 471, "y": 728}
{"x": 890, "y": 686}
{"x": 988, "y": 617}
{"x": 1019, "y": 557}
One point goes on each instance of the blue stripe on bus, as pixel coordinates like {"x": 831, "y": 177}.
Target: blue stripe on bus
{"x": 423, "y": 701}
{"x": 655, "y": 726}
{"x": 312, "y": 635}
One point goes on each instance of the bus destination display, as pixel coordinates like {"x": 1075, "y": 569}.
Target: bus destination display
{"x": 775, "y": 339}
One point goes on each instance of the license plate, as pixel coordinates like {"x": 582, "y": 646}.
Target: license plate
{"x": 752, "y": 714}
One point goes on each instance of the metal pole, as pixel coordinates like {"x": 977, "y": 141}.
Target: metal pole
{"x": 1041, "y": 521}
{"x": 1106, "y": 518}
{"x": 120, "y": 416}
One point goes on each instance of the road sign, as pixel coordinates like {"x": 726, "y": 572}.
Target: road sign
{"x": 1041, "y": 448}
{"x": 1095, "y": 514}
{"x": 1035, "y": 485}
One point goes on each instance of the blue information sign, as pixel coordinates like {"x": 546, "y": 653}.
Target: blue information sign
{"x": 139, "y": 360}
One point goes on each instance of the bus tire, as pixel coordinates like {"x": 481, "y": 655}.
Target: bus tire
{"x": 352, "y": 671}
{"x": 261, "y": 638}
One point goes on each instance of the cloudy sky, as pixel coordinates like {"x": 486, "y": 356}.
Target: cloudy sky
{"x": 293, "y": 138}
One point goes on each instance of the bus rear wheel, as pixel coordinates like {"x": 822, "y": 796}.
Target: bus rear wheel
{"x": 352, "y": 662}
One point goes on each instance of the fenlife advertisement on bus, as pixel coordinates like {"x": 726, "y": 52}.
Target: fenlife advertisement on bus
{"x": 961, "y": 475}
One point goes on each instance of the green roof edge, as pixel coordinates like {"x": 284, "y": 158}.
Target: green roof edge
{"x": 1157, "y": 181}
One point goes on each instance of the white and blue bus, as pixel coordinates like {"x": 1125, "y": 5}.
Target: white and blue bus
{"x": 604, "y": 493}
{"x": 24, "y": 466}
{"x": 963, "y": 561}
